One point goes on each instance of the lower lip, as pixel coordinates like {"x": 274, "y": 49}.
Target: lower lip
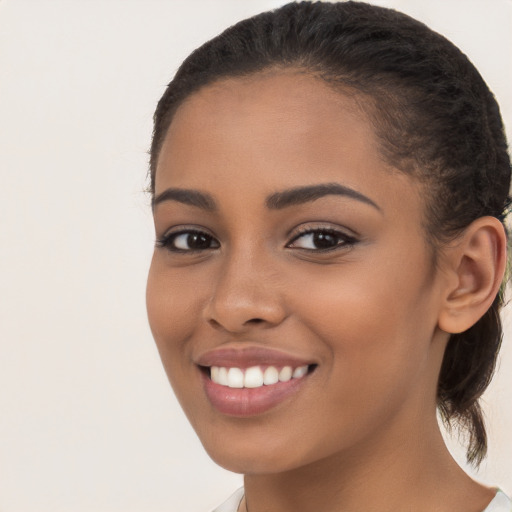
{"x": 247, "y": 402}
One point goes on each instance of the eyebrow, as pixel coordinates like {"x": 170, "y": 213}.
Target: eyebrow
{"x": 276, "y": 201}
{"x": 186, "y": 196}
{"x": 300, "y": 195}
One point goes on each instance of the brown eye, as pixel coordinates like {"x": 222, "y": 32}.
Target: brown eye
{"x": 322, "y": 240}
{"x": 188, "y": 241}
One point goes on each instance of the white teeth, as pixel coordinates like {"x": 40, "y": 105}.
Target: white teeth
{"x": 223, "y": 376}
{"x": 255, "y": 377}
{"x": 285, "y": 374}
{"x": 300, "y": 372}
{"x": 271, "y": 376}
{"x": 235, "y": 378}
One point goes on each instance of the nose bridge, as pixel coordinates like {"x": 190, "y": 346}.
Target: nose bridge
{"x": 247, "y": 290}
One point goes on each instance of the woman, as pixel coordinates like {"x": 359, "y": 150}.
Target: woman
{"x": 329, "y": 187}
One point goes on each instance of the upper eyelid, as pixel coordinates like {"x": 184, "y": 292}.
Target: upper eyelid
{"x": 313, "y": 227}
{"x": 178, "y": 230}
{"x": 290, "y": 234}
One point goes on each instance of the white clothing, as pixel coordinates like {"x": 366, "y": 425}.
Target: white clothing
{"x": 231, "y": 505}
{"x": 500, "y": 503}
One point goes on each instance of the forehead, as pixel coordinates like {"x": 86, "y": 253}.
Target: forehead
{"x": 277, "y": 95}
{"x": 272, "y": 131}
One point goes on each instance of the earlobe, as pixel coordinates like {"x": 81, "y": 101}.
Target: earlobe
{"x": 476, "y": 265}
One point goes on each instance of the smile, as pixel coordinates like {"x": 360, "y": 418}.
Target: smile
{"x": 250, "y": 380}
{"x": 256, "y": 376}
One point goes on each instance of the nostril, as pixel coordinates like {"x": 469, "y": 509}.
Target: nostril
{"x": 214, "y": 323}
{"x": 255, "y": 321}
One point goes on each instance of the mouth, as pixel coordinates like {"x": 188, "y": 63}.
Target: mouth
{"x": 253, "y": 390}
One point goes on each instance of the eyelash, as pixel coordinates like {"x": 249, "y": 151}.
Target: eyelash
{"x": 344, "y": 240}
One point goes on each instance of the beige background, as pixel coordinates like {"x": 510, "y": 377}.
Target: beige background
{"x": 87, "y": 419}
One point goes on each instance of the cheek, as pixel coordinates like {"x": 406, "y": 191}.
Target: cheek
{"x": 376, "y": 323}
{"x": 359, "y": 304}
{"x": 383, "y": 291}
{"x": 171, "y": 301}
{"x": 172, "y": 307}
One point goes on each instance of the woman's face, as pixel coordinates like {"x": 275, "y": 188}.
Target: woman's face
{"x": 286, "y": 245}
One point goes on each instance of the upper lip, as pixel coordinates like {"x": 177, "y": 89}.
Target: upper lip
{"x": 249, "y": 356}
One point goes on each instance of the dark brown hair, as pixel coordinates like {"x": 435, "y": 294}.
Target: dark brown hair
{"x": 435, "y": 117}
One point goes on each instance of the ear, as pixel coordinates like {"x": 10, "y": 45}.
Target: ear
{"x": 475, "y": 266}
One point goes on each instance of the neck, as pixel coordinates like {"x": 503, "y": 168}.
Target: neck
{"x": 415, "y": 472}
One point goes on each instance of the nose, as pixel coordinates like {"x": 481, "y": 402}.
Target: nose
{"x": 247, "y": 295}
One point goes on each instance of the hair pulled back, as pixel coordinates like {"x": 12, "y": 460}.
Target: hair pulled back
{"x": 434, "y": 115}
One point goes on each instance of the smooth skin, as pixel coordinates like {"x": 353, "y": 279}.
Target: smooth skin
{"x": 344, "y": 280}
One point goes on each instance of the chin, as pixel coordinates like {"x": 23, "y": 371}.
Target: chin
{"x": 245, "y": 464}
{"x": 252, "y": 456}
